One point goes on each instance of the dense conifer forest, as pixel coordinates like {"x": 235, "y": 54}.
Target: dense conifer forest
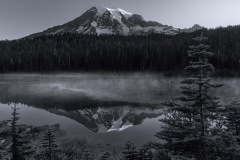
{"x": 155, "y": 52}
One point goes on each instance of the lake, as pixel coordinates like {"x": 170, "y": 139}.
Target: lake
{"x": 105, "y": 108}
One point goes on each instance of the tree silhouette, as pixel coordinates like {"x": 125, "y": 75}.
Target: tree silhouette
{"x": 231, "y": 116}
{"x": 130, "y": 152}
{"x": 87, "y": 155}
{"x": 3, "y": 154}
{"x": 145, "y": 153}
{"x": 49, "y": 146}
{"x": 20, "y": 147}
{"x": 189, "y": 118}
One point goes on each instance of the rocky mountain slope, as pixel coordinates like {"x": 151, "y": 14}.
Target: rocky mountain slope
{"x": 99, "y": 20}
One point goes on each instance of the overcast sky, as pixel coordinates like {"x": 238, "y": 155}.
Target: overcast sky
{"x": 19, "y": 18}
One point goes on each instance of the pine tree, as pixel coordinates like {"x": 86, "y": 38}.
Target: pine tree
{"x": 20, "y": 147}
{"x": 189, "y": 118}
{"x": 3, "y": 154}
{"x": 1, "y": 148}
{"x": 145, "y": 153}
{"x": 231, "y": 116}
{"x": 50, "y": 148}
{"x": 161, "y": 154}
{"x": 227, "y": 135}
{"x": 130, "y": 152}
{"x": 226, "y": 146}
{"x": 87, "y": 155}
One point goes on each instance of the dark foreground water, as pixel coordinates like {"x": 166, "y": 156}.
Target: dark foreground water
{"x": 101, "y": 108}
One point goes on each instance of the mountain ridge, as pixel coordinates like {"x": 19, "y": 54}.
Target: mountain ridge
{"x": 111, "y": 21}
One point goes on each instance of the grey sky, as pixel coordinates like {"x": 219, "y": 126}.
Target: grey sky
{"x": 19, "y": 18}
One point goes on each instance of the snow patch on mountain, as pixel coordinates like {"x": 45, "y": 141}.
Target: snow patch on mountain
{"x": 94, "y": 24}
{"x": 81, "y": 111}
{"x": 100, "y": 31}
{"x": 100, "y": 11}
{"x": 115, "y": 13}
{"x": 60, "y": 30}
{"x": 120, "y": 129}
{"x": 63, "y": 111}
{"x": 157, "y": 29}
{"x": 80, "y": 29}
{"x": 95, "y": 116}
{"x": 117, "y": 126}
{"x": 2, "y": 141}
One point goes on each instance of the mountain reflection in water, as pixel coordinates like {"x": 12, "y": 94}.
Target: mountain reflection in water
{"x": 105, "y": 125}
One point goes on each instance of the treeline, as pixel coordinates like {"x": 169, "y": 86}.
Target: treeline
{"x": 156, "y": 52}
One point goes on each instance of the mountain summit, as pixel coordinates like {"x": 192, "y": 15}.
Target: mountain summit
{"x": 103, "y": 20}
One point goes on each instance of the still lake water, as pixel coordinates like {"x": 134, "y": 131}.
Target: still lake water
{"x": 99, "y": 107}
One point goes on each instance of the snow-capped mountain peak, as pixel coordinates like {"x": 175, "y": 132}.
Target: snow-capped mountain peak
{"x": 109, "y": 20}
{"x": 105, "y": 20}
{"x": 116, "y": 13}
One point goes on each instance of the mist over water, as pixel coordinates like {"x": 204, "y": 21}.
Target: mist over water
{"x": 100, "y": 89}
{"x": 131, "y": 87}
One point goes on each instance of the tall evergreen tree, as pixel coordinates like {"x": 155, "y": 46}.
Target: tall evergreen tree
{"x": 3, "y": 154}
{"x": 87, "y": 155}
{"x": 161, "y": 154}
{"x": 145, "y": 153}
{"x": 190, "y": 117}
{"x": 20, "y": 147}
{"x": 130, "y": 152}
{"x": 50, "y": 148}
{"x": 231, "y": 116}
{"x": 227, "y": 137}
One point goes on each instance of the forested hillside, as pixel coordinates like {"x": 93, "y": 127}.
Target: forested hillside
{"x": 156, "y": 52}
